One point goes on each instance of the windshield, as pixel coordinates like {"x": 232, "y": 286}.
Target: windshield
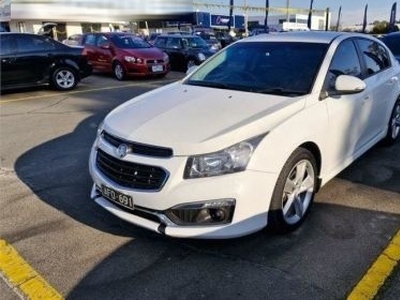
{"x": 194, "y": 42}
{"x": 129, "y": 42}
{"x": 280, "y": 68}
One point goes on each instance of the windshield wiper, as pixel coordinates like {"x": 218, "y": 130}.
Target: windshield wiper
{"x": 214, "y": 84}
{"x": 281, "y": 92}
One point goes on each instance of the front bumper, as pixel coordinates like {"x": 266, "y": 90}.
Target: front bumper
{"x": 145, "y": 70}
{"x": 251, "y": 191}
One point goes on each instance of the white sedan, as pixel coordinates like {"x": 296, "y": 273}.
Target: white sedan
{"x": 247, "y": 139}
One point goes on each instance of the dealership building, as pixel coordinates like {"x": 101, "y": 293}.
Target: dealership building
{"x": 78, "y": 16}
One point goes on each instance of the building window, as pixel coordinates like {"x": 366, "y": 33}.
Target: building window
{"x": 91, "y": 27}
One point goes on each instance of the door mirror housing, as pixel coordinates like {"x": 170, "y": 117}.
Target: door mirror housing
{"x": 347, "y": 84}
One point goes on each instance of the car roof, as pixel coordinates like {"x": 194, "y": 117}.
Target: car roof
{"x": 177, "y": 35}
{"x": 325, "y": 37}
{"x": 20, "y": 33}
{"x": 110, "y": 33}
{"x": 397, "y": 33}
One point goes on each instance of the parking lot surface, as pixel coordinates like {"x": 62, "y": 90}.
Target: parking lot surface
{"x": 83, "y": 252}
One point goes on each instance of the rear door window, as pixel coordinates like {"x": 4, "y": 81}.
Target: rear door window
{"x": 375, "y": 56}
{"x": 30, "y": 43}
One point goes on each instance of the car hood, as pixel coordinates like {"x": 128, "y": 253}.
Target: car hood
{"x": 194, "y": 120}
{"x": 144, "y": 52}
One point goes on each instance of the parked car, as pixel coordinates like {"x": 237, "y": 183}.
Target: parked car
{"x": 224, "y": 38}
{"x": 235, "y": 147}
{"x": 124, "y": 54}
{"x": 392, "y": 40}
{"x": 258, "y": 31}
{"x": 152, "y": 37}
{"x": 75, "y": 40}
{"x": 30, "y": 59}
{"x": 184, "y": 50}
{"x": 211, "y": 40}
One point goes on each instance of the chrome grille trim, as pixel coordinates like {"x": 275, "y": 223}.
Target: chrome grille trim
{"x": 138, "y": 148}
{"x": 129, "y": 174}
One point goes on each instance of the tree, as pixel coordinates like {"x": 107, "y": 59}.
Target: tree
{"x": 381, "y": 27}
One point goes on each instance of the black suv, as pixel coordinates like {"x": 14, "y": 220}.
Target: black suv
{"x": 184, "y": 51}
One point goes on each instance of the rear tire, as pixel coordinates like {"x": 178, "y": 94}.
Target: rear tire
{"x": 293, "y": 193}
{"x": 393, "y": 125}
{"x": 119, "y": 71}
{"x": 64, "y": 79}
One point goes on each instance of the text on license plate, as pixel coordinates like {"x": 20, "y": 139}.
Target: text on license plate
{"x": 113, "y": 195}
{"x": 157, "y": 68}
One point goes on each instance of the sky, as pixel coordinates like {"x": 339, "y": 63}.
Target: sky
{"x": 352, "y": 10}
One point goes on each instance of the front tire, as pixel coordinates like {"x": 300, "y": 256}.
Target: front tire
{"x": 394, "y": 125}
{"x": 119, "y": 71}
{"x": 64, "y": 79}
{"x": 293, "y": 193}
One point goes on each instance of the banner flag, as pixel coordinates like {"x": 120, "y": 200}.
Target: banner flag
{"x": 392, "y": 21}
{"x": 338, "y": 18}
{"x": 365, "y": 19}
{"x": 266, "y": 15}
{"x": 310, "y": 15}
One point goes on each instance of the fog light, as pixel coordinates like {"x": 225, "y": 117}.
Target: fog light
{"x": 215, "y": 212}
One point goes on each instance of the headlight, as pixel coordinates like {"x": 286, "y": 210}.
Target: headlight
{"x": 132, "y": 59}
{"x": 230, "y": 160}
{"x": 201, "y": 56}
{"x": 166, "y": 58}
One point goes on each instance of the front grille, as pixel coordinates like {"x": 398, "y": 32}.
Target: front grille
{"x": 154, "y": 61}
{"x": 137, "y": 148}
{"x": 129, "y": 174}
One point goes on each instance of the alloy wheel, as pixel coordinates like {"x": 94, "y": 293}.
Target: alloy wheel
{"x": 298, "y": 192}
{"x": 395, "y": 122}
{"x": 65, "y": 79}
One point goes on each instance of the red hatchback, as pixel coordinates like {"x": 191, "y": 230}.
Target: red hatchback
{"x": 124, "y": 54}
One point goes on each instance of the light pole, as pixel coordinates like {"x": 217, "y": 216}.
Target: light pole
{"x": 287, "y": 10}
{"x": 231, "y": 3}
{"x": 246, "y": 19}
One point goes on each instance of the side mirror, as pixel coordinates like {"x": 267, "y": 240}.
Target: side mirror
{"x": 347, "y": 84}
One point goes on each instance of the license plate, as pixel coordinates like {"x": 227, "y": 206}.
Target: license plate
{"x": 117, "y": 197}
{"x": 157, "y": 68}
